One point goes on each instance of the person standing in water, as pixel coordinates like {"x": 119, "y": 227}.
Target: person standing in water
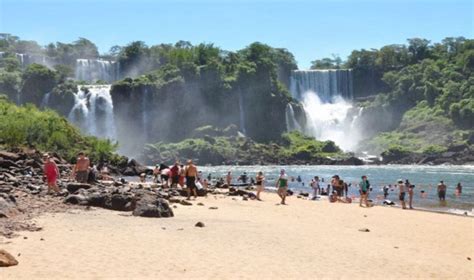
{"x": 401, "y": 187}
{"x": 260, "y": 184}
{"x": 315, "y": 185}
{"x": 282, "y": 186}
{"x": 228, "y": 178}
{"x": 81, "y": 168}
{"x": 458, "y": 190}
{"x": 364, "y": 189}
{"x": 442, "y": 191}
{"x": 191, "y": 174}
{"x": 51, "y": 173}
{"x": 411, "y": 193}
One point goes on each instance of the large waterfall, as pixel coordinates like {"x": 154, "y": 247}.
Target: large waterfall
{"x": 93, "y": 111}
{"x": 97, "y": 69}
{"x": 326, "y": 97}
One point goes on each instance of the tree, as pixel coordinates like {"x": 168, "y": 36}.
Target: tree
{"x": 418, "y": 49}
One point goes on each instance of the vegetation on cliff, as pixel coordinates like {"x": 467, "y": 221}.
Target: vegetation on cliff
{"x": 26, "y": 126}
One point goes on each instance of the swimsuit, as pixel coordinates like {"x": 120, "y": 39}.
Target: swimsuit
{"x": 402, "y": 196}
{"x": 191, "y": 182}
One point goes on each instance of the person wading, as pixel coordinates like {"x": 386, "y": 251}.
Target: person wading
{"x": 282, "y": 186}
{"x": 191, "y": 174}
{"x": 260, "y": 184}
{"x": 401, "y": 196}
{"x": 364, "y": 189}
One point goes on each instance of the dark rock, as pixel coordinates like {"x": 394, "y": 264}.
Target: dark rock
{"x": 199, "y": 224}
{"x": 185, "y": 203}
{"x": 305, "y": 194}
{"x": 364, "y": 230}
{"x": 74, "y": 187}
{"x": 119, "y": 202}
{"x": 153, "y": 207}
{"x": 6, "y": 259}
{"x": 76, "y": 199}
{"x": 97, "y": 200}
{"x": 6, "y": 163}
{"x": 213, "y": 208}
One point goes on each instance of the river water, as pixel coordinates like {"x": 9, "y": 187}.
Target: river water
{"x": 423, "y": 177}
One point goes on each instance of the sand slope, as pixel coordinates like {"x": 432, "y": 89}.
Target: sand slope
{"x": 247, "y": 240}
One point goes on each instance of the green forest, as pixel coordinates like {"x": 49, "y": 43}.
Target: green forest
{"x": 417, "y": 97}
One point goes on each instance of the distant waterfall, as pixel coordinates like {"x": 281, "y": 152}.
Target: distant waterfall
{"x": 242, "y": 113}
{"x": 326, "y": 97}
{"x": 291, "y": 123}
{"x": 96, "y": 69}
{"x": 93, "y": 111}
{"x": 147, "y": 101}
{"x": 45, "y": 100}
{"x": 326, "y": 83}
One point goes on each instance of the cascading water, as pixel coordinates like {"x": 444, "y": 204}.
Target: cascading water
{"x": 96, "y": 69}
{"x": 326, "y": 95}
{"x": 146, "y": 104}
{"x": 291, "y": 123}
{"x": 242, "y": 113}
{"x": 45, "y": 100}
{"x": 93, "y": 111}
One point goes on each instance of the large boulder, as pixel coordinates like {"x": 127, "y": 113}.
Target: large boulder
{"x": 153, "y": 207}
{"x": 120, "y": 202}
{"x": 6, "y": 259}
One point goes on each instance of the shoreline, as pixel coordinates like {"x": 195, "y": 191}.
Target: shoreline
{"x": 240, "y": 238}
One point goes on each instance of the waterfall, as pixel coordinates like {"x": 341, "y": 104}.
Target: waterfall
{"x": 21, "y": 58}
{"x": 96, "y": 69}
{"x": 93, "y": 111}
{"x": 326, "y": 83}
{"x": 326, "y": 98}
{"x": 45, "y": 100}
{"x": 291, "y": 123}
{"x": 242, "y": 113}
{"x": 147, "y": 100}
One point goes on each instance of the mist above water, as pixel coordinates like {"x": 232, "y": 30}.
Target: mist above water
{"x": 331, "y": 121}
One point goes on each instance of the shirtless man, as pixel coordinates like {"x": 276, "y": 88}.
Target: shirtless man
{"x": 442, "y": 191}
{"x": 228, "y": 178}
{"x": 81, "y": 169}
{"x": 401, "y": 187}
{"x": 191, "y": 174}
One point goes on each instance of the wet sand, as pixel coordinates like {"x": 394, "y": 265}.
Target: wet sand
{"x": 246, "y": 240}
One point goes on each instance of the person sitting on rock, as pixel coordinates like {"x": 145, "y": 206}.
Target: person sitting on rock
{"x": 51, "y": 173}
{"x": 81, "y": 168}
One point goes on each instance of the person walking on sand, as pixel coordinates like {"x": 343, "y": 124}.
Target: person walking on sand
{"x": 282, "y": 186}
{"x": 51, "y": 173}
{"x": 364, "y": 189}
{"x": 442, "y": 191}
{"x": 260, "y": 184}
{"x": 81, "y": 168}
{"x": 191, "y": 174}
{"x": 401, "y": 188}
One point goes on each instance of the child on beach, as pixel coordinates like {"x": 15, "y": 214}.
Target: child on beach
{"x": 364, "y": 189}
{"x": 51, "y": 173}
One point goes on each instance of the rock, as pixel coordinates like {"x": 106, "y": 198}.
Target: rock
{"x": 304, "y": 194}
{"x": 364, "y": 230}
{"x": 6, "y": 163}
{"x": 74, "y": 187}
{"x": 213, "y": 208}
{"x": 97, "y": 200}
{"x": 185, "y": 203}
{"x": 9, "y": 156}
{"x": 6, "y": 259}
{"x": 200, "y": 204}
{"x": 76, "y": 199}
{"x": 150, "y": 207}
{"x": 7, "y": 206}
{"x": 120, "y": 202}
{"x": 199, "y": 224}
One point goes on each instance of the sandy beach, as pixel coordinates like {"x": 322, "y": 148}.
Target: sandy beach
{"x": 246, "y": 240}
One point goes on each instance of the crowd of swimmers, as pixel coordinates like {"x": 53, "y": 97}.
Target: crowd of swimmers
{"x": 188, "y": 177}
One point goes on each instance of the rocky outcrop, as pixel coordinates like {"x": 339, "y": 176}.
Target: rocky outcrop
{"x": 6, "y": 259}
{"x": 154, "y": 207}
{"x": 456, "y": 155}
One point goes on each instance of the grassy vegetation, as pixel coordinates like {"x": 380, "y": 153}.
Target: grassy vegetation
{"x": 232, "y": 149}
{"x": 47, "y": 131}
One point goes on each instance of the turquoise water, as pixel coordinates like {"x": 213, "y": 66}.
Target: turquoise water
{"x": 423, "y": 177}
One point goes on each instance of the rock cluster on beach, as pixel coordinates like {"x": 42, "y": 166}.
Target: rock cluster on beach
{"x": 23, "y": 193}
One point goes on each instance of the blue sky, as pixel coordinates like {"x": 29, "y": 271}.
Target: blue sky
{"x": 309, "y": 29}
